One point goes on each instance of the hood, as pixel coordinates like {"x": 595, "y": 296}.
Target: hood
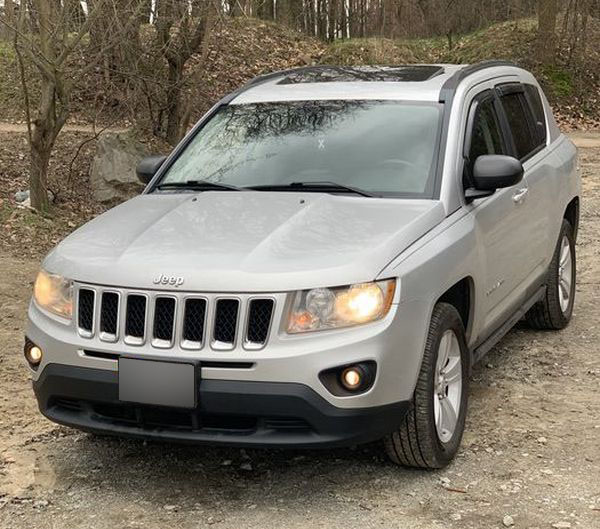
{"x": 222, "y": 241}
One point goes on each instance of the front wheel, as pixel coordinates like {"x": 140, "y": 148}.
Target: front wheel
{"x": 432, "y": 429}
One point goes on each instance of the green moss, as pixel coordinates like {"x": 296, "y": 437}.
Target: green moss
{"x": 6, "y": 50}
{"x": 559, "y": 80}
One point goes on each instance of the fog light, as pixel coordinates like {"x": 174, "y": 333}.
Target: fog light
{"x": 352, "y": 377}
{"x": 33, "y": 354}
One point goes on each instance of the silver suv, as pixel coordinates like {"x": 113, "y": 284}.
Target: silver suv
{"x": 320, "y": 262}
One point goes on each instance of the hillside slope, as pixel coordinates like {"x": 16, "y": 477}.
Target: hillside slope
{"x": 573, "y": 87}
{"x": 240, "y": 49}
{"x": 243, "y": 48}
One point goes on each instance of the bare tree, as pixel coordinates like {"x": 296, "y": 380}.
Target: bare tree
{"x": 180, "y": 33}
{"x": 47, "y": 52}
{"x": 46, "y": 35}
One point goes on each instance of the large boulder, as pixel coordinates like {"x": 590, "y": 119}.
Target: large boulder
{"x": 112, "y": 175}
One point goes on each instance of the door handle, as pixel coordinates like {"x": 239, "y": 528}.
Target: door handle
{"x": 519, "y": 195}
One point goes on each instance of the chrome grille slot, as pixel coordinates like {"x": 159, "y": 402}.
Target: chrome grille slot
{"x": 135, "y": 320}
{"x": 164, "y": 322}
{"x": 109, "y": 316}
{"x": 259, "y": 323}
{"x": 226, "y": 317}
{"x": 193, "y": 323}
{"x": 85, "y": 318}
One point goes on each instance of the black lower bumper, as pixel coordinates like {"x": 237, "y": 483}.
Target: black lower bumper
{"x": 235, "y": 413}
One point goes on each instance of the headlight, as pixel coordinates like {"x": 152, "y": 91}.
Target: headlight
{"x": 329, "y": 308}
{"x": 54, "y": 294}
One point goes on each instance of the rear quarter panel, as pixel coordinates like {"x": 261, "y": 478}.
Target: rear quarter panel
{"x": 565, "y": 185}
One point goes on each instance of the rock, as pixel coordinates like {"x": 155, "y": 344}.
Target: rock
{"x": 508, "y": 521}
{"x": 246, "y": 466}
{"x": 170, "y": 507}
{"x": 561, "y": 525}
{"x": 455, "y": 516}
{"x": 21, "y": 196}
{"x": 40, "y": 504}
{"x": 112, "y": 174}
{"x": 23, "y": 200}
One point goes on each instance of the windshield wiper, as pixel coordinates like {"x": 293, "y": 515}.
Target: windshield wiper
{"x": 200, "y": 185}
{"x": 313, "y": 186}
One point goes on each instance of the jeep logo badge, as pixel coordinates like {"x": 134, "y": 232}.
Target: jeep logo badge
{"x": 162, "y": 279}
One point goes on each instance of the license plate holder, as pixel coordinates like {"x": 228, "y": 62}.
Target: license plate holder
{"x": 158, "y": 382}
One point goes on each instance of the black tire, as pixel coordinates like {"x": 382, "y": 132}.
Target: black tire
{"x": 547, "y": 314}
{"x": 417, "y": 443}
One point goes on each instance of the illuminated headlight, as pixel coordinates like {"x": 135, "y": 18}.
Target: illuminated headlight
{"x": 330, "y": 308}
{"x": 54, "y": 293}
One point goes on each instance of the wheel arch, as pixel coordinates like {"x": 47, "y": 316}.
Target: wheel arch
{"x": 572, "y": 215}
{"x": 461, "y": 296}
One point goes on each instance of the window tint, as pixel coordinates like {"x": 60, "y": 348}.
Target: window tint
{"x": 485, "y": 137}
{"x": 535, "y": 101}
{"x": 517, "y": 121}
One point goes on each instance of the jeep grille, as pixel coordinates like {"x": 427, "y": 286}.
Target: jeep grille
{"x": 169, "y": 319}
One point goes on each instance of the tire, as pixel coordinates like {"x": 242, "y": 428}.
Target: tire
{"x": 418, "y": 443}
{"x": 552, "y": 312}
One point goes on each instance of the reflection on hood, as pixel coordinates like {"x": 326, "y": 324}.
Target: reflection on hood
{"x": 244, "y": 241}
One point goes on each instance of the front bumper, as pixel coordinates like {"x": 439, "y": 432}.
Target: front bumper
{"x": 394, "y": 343}
{"x": 235, "y": 413}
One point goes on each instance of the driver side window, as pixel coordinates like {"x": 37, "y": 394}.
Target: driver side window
{"x": 486, "y": 137}
{"x": 486, "y": 132}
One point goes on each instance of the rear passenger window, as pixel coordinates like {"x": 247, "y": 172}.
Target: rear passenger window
{"x": 535, "y": 102}
{"x": 517, "y": 120}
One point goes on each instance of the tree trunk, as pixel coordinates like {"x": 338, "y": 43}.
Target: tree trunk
{"x": 331, "y": 32}
{"x": 389, "y": 20}
{"x": 547, "y": 14}
{"x": 343, "y": 20}
{"x": 174, "y": 104}
{"x": 39, "y": 158}
{"x": 265, "y": 9}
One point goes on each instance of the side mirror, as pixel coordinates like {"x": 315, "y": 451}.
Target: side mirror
{"x": 147, "y": 167}
{"x": 494, "y": 171}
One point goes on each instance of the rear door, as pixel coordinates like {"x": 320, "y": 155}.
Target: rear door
{"x": 528, "y": 133}
{"x": 502, "y": 229}
{"x": 544, "y": 177}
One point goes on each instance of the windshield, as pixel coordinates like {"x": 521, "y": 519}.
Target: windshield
{"x": 377, "y": 146}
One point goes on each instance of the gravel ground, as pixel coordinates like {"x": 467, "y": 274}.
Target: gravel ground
{"x": 530, "y": 457}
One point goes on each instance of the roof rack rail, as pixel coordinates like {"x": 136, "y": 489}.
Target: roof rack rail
{"x": 449, "y": 87}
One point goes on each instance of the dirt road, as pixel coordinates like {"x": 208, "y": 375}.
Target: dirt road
{"x": 7, "y": 128}
{"x": 530, "y": 457}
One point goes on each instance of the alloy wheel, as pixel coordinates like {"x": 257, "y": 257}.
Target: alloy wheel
{"x": 447, "y": 386}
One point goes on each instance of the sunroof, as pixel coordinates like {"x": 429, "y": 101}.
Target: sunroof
{"x": 326, "y": 74}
